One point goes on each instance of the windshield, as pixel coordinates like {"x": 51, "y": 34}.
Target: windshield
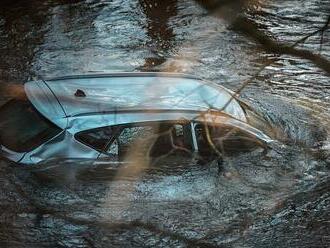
{"x": 227, "y": 140}
{"x": 22, "y": 127}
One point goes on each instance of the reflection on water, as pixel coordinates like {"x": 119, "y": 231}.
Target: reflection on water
{"x": 22, "y": 30}
{"x": 158, "y": 29}
{"x": 253, "y": 200}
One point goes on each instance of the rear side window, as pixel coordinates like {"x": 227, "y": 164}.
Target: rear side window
{"x": 99, "y": 138}
{"x": 23, "y": 128}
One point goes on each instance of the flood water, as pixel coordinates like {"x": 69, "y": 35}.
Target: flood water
{"x": 276, "y": 199}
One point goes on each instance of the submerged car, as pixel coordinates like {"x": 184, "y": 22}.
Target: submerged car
{"x": 109, "y": 115}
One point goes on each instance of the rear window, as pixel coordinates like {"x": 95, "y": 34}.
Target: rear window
{"x": 22, "y": 127}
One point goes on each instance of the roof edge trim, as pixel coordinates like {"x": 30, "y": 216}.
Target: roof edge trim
{"x": 150, "y": 111}
{"x": 124, "y": 74}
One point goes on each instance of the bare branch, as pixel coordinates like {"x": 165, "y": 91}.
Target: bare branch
{"x": 320, "y": 30}
{"x": 249, "y": 28}
{"x": 325, "y": 27}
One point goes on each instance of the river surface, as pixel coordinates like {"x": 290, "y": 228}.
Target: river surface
{"x": 278, "y": 199}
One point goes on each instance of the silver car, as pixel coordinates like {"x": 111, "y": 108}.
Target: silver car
{"x": 108, "y": 116}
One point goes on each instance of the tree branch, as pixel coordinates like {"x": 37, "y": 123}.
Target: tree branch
{"x": 249, "y": 28}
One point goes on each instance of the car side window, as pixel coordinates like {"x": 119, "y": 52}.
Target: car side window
{"x": 99, "y": 138}
{"x": 129, "y": 135}
{"x": 227, "y": 140}
{"x": 113, "y": 148}
{"x": 136, "y": 138}
{"x": 148, "y": 139}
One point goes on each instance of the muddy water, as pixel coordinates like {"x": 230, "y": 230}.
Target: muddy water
{"x": 254, "y": 200}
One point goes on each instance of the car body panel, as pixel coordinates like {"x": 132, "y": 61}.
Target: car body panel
{"x": 135, "y": 91}
{"x": 11, "y": 155}
{"x": 63, "y": 146}
{"x": 124, "y": 98}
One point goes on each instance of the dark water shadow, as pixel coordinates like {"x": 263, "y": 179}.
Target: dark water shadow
{"x": 159, "y": 30}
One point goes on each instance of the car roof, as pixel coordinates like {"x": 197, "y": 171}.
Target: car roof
{"x": 107, "y": 93}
